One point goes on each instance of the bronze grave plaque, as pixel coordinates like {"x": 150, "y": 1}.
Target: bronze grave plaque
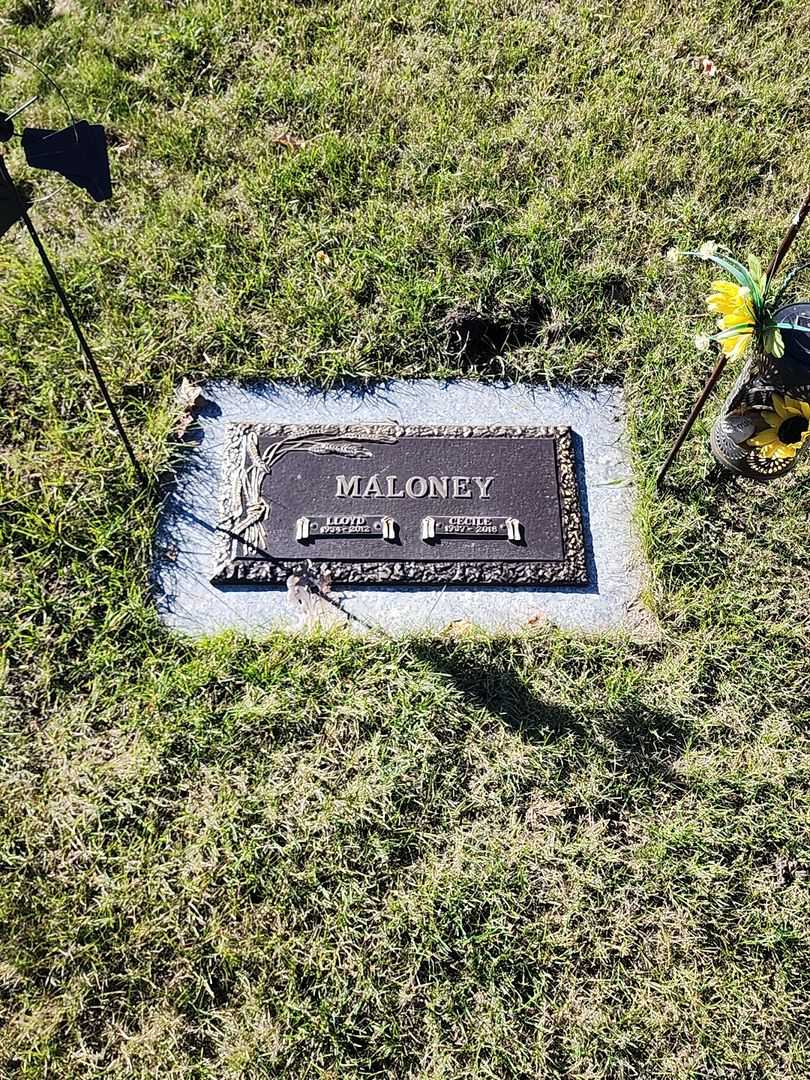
{"x": 381, "y": 503}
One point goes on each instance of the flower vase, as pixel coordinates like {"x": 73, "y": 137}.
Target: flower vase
{"x": 764, "y": 425}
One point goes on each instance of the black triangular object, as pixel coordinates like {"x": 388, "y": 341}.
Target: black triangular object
{"x": 78, "y": 152}
{"x": 10, "y": 212}
{"x": 40, "y": 143}
{"x": 91, "y": 185}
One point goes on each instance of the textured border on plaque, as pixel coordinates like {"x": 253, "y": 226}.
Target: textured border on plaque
{"x": 243, "y": 509}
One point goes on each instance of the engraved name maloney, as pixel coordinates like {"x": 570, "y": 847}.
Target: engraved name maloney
{"x": 414, "y": 487}
{"x": 382, "y": 503}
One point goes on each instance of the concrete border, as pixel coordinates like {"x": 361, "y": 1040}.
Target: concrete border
{"x": 187, "y": 540}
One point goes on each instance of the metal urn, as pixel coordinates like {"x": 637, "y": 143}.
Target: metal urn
{"x": 763, "y": 428}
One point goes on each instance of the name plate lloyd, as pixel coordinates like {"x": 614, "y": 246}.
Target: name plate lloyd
{"x": 383, "y": 503}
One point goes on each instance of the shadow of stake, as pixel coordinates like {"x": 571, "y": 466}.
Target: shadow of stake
{"x": 642, "y": 743}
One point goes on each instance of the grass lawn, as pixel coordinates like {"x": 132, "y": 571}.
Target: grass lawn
{"x": 529, "y": 857}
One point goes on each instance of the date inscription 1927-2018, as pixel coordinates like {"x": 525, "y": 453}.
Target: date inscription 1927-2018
{"x": 458, "y": 505}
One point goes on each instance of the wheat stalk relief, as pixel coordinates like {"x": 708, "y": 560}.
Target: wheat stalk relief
{"x": 248, "y": 510}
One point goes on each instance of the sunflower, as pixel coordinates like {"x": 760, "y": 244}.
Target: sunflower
{"x": 733, "y": 303}
{"x": 788, "y": 428}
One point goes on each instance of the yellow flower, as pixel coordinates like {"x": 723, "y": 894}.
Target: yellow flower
{"x": 728, "y": 297}
{"x": 788, "y": 428}
{"x": 733, "y": 303}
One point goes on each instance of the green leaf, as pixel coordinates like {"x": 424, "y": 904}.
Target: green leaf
{"x": 733, "y": 331}
{"x": 787, "y": 282}
{"x": 792, "y": 326}
{"x": 734, "y": 262}
{"x": 757, "y": 276}
{"x": 757, "y": 273}
{"x": 731, "y": 266}
{"x": 773, "y": 342}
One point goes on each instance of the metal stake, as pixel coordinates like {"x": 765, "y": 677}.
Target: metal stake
{"x": 60, "y": 292}
{"x": 693, "y": 415}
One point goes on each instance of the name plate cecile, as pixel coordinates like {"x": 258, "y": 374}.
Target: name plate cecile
{"x": 384, "y": 503}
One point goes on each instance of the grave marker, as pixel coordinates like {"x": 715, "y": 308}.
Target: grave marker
{"x": 402, "y": 504}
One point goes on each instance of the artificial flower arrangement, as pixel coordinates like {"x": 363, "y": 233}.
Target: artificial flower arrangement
{"x": 765, "y": 421}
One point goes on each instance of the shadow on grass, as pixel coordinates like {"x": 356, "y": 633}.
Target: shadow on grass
{"x": 642, "y": 741}
{"x": 730, "y": 504}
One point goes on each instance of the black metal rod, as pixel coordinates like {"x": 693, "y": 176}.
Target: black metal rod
{"x": 74, "y": 322}
{"x": 693, "y": 415}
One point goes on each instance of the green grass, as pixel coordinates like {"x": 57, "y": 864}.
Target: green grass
{"x": 531, "y": 857}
